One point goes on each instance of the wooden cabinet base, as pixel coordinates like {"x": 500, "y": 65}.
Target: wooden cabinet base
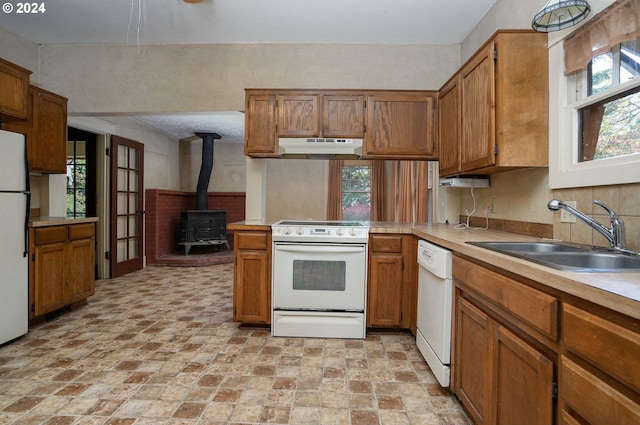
{"x": 61, "y": 267}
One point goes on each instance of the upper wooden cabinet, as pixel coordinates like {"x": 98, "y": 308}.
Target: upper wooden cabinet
{"x": 299, "y": 115}
{"x": 343, "y": 116}
{"x": 260, "y": 126}
{"x": 14, "y": 87}
{"x": 449, "y": 126}
{"x": 45, "y": 131}
{"x": 503, "y": 99}
{"x": 393, "y": 124}
{"x": 400, "y": 125}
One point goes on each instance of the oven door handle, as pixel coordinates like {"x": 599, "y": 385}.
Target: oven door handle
{"x": 317, "y": 248}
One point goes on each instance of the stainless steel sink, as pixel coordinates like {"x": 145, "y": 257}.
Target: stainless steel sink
{"x": 530, "y": 246}
{"x": 569, "y": 257}
{"x": 587, "y": 261}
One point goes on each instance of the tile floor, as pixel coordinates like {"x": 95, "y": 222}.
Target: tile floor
{"x": 159, "y": 347}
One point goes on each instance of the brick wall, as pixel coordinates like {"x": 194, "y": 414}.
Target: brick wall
{"x": 162, "y": 219}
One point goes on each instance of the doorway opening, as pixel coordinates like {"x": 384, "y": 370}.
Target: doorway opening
{"x": 81, "y": 173}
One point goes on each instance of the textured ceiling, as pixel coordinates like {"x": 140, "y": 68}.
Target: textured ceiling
{"x": 247, "y": 21}
{"x": 229, "y": 125}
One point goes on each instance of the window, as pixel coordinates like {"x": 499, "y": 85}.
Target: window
{"x": 594, "y": 101}
{"x": 611, "y": 127}
{"x": 356, "y": 192}
{"x": 76, "y": 179}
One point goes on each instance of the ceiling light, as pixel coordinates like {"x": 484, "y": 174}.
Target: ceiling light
{"x": 192, "y": 1}
{"x": 558, "y": 15}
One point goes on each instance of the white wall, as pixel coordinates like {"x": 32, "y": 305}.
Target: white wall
{"x": 195, "y": 78}
{"x": 161, "y": 158}
{"x": 229, "y": 168}
{"x": 21, "y": 52}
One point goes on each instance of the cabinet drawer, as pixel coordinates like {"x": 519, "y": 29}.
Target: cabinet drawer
{"x": 593, "y": 399}
{"x": 50, "y": 234}
{"x": 383, "y": 243}
{"x": 252, "y": 240}
{"x": 533, "y": 307}
{"x": 607, "y": 345}
{"x": 81, "y": 231}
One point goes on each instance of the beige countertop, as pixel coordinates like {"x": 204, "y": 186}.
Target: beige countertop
{"x": 616, "y": 291}
{"x": 56, "y": 221}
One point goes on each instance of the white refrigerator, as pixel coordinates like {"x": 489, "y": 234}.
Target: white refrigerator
{"x": 15, "y": 199}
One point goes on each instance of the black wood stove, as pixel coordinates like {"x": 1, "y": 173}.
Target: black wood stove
{"x": 203, "y": 226}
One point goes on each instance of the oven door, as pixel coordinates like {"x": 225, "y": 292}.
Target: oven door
{"x": 308, "y": 276}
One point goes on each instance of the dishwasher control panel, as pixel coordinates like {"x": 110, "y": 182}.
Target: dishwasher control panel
{"x": 435, "y": 258}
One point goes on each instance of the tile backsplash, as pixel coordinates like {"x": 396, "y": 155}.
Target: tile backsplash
{"x": 623, "y": 199}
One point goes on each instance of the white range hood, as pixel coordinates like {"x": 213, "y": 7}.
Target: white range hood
{"x": 320, "y": 148}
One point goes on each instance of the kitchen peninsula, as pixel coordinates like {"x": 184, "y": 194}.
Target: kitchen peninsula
{"x": 61, "y": 263}
{"x": 558, "y": 329}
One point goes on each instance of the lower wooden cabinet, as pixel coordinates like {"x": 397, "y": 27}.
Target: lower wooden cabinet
{"x": 501, "y": 378}
{"x": 252, "y": 277}
{"x": 472, "y": 362}
{"x": 391, "y": 281}
{"x": 62, "y": 266}
{"x": 599, "y": 374}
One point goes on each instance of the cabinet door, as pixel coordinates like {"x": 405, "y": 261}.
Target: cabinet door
{"x": 252, "y": 277}
{"x": 251, "y": 287}
{"x": 14, "y": 87}
{"x": 343, "y": 116}
{"x": 400, "y": 125}
{"x": 385, "y": 290}
{"x": 298, "y": 115}
{"x": 523, "y": 379}
{"x": 260, "y": 126}
{"x": 473, "y": 371}
{"x": 449, "y": 123}
{"x": 593, "y": 399}
{"x": 478, "y": 111}
{"x": 45, "y": 131}
{"x": 81, "y": 269}
{"x": 51, "y": 291}
{"x": 50, "y": 119}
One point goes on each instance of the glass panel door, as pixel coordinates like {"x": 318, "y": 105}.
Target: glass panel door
{"x": 127, "y": 166}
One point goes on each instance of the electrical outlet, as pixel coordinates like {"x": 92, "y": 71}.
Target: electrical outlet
{"x": 566, "y": 216}
{"x": 492, "y": 205}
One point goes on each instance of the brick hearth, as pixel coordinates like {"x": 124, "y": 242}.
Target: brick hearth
{"x": 162, "y": 223}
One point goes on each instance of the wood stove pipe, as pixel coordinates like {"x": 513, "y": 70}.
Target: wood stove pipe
{"x": 202, "y": 189}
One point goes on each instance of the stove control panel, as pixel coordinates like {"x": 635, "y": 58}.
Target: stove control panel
{"x": 309, "y": 232}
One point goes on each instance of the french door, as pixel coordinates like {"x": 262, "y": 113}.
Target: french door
{"x": 127, "y": 203}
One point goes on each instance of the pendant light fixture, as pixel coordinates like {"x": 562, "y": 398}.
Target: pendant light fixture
{"x": 558, "y": 15}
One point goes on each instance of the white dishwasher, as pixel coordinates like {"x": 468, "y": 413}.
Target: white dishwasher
{"x": 435, "y": 302}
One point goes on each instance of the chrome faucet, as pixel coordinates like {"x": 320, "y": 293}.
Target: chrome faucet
{"x": 614, "y": 233}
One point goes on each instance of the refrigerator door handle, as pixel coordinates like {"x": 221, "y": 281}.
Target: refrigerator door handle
{"x": 26, "y": 224}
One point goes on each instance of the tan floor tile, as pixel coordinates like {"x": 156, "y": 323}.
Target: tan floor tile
{"x": 168, "y": 353}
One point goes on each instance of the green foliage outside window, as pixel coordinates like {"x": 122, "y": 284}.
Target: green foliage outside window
{"x": 76, "y": 187}
{"x": 619, "y": 130}
{"x": 356, "y": 192}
